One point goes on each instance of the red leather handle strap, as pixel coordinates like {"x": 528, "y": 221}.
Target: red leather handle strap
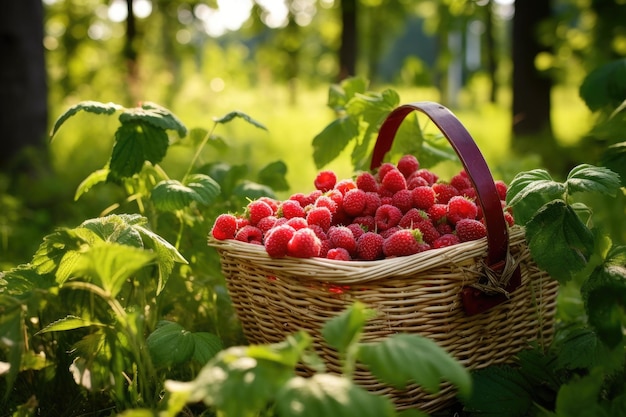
{"x": 473, "y": 163}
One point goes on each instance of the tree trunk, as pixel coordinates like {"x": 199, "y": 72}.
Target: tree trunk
{"x": 492, "y": 60}
{"x": 23, "y": 91}
{"x": 348, "y": 48}
{"x": 531, "y": 89}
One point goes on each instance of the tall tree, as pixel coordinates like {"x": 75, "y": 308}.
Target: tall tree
{"x": 531, "y": 88}
{"x": 349, "y": 44}
{"x": 23, "y": 92}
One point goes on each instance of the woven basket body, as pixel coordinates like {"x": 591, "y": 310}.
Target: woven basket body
{"x": 418, "y": 294}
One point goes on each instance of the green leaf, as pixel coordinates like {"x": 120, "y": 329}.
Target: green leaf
{"x": 340, "y": 94}
{"x": 135, "y": 143}
{"x": 92, "y": 179}
{"x": 238, "y": 114}
{"x": 582, "y": 349}
{"x": 329, "y": 395}
{"x": 116, "y": 229}
{"x": 604, "y": 87}
{"x": 54, "y": 247}
{"x": 333, "y": 139}
{"x": 22, "y": 280}
{"x": 558, "y": 241}
{"x": 248, "y": 190}
{"x": 170, "y": 344}
{"x": 614, "y": 158}
{"x": 580, "y": 397}
{"x": 206, "y": 346}
{"x": 157, "y": 116}
{"x": 345, "y": 329}
{"x": 537, "y": 181}
{"x": 500, "y": 391}
{"x": 111, "y": 264}
{"x": 429, "y": 363}
{"x": 593, "y": 179}
{"x": 70, "y": 323}
{"x": 87, "y": 106}
{"x": 172, "y": 195}
{"x": 12, "y": 329}
{"x": 273, "y": 175}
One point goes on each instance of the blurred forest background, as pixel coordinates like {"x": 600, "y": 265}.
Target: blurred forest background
{"x": 510, "y": 69}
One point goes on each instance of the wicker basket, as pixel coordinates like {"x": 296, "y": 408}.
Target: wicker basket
{"x": 482, "y": 301}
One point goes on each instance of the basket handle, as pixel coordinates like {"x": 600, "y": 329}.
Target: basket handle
{"x": 498, "y": 260}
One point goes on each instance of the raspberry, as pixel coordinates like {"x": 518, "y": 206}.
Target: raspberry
{"x": 444, "y": 228}
{"x": 430, "y": 177}
{"x": 412, "y": 218}
{"x": 339, "y": 254}
{"x": 256, "y": 210}
{"x": 336, "y": 196}
{"x": 437, "y": 213}
{"x": 304, "y": 244}
{"x": 508, "y": 217}
{"x": 311, "y": 197}
{"x": 404, "y": 242}
{"x": 345, "y": 185}
{"x": 319, "y": 232}
{"x": 423, "y": 197}
{"x": 444, "y": 240}
{"x": 325, "y": 181}
{"x": 324, "y": 247}
{"x": 357, "y": 230}
{"x": 444, "y": 192}
{"x": 416, "y": 181}
{"x": 460, "y": 207}
{"x": 470, "y": 229}
{"x": 301, "y": 198}
{"x": 407, "y": 165}
{"x": 369, "y": 246}
{"x": 342, "y": 237}
{"x": 502, "y": 188}
{"x": 372, "y": 202}
{"x": 272, "y": 202}
{"x": 326, "y": 201}
{"x": 393, "y": 181}
{"x": 429, "y": 232}
{"x": 386, "y": 233}
{"x": 366, "y": 181}
{"x": 461, "y": 181}
{"x": 354, "y": 202}
{"x": 297, "y": 222}
{"x": 320, "y": 216}
{"x": 224, "y": 227}
{"x": 290, "y": 209}
{"x": 276, "y": 240}
{"x": 469, "y": 193}
{"x": 387, "y": 216}
{"x": 384, "y": 169}
{"x": 403, "y": 199}
{"x": 266, "y": 223}
{"x": 367, "y": 223}
{"x": 250, "y": 234}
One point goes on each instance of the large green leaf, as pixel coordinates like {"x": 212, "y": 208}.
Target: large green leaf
{"x": 135, "y": 143}
{"x": 605, "y": 87}
{"x": 329, "y": 395}
{"x": 273, "y": 175}
{"x": 402, "y": 358}
{"x": 591, "y": 178}
{"x": 580, "y": 397}
{"x": 340, "y": 94}
{"x": 70, "y": 323}
{"x": 614, "y": 158}
{"x": 87, "y": 106}
{"x": 155, "y": 115}
{"x": 345, "y": 329}
{"x": 537, "y": 181}
{"x": 583, "y": 349}
{"x": 172, "y": 195}
{"x": 206, "y": 346}
{"x": 500, "y": 391}
{"x": 115, "y": 228}
{"x": 54, "y": 247}
{"x": 558, "y": 240}
{"x": 170, "y": 344}
{"x": 333, "y": 139}
{"x": 241, "y": 115}
{"x": 92, "y": 179}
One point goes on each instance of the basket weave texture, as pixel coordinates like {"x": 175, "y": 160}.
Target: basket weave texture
{"x": 421, "y": 294}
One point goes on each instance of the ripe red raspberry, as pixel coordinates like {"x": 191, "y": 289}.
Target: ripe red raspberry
{"x": 290, "y": 209}
{"x": 393, "y": 181}
{"x": 297, "y": 223}
{"x": 429, "y": 232}
{"x": 367, "y": 223}
{"x": 301, "y": 198}
{"x": 508, "y": 217}
{"x": 342, "y": 237}
{"x": 266, "y": 223}
{"x": 469, "y": 193}
{"x": 312, "y": 197}
{"x": 304, "y": 244}
{"x": 383, "y": 170}
{"x": 277, "y": 239}
{"x": 338, "y": 254}
{"x": 320, "y": 216}
{"x": 502, "y": 188}
{"x": 412, "y": 218}
{"x": 325, "y": 180}
{"x": 354, "y": 202}
{"x": 357, "y": 230}
{"x": 444, "y": 228}
{"x": 224, "y": 227}
{"x": 387, "y": 216}
{"x": 430, "y": 177}
{"x": 460, "y": 207}
{"x": 444, "y": 240}
{"x": 366, "y": 181}
{"x": 372, "y": 202}
{"x": 461, "y": 181}
{"x": 326, "y": 201}
{"x": 273, "y": 203}
{"x": 386, "y": 233}
{"x": 437, "y": 213}
{"x": 250, "y": 234}
{"x": 336, "y": 196}
{"x": 403, "y": 199}
{"x": 369, "y": 246}
{"x": 256, "y": 210}
{"x": 470, "y": 229}
{"x": 408, "y": 164}
{"x": 444, "y": 192}
{"x": 345, "y": 185}
{"x": 325, "y": 246}
{"x": 404, "y": 242}
{"x": 423, "y": 197}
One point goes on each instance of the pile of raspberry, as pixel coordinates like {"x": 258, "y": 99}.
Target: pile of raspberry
{"x": 398, "y": 210}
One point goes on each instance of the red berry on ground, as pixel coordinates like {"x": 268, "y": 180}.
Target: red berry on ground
{"x": 224, "y": 227}
{"x": 325, "y": 180}
{"x": 470, "y": 229}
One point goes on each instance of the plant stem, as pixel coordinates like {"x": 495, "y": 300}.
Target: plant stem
{"x": 199, "y": 150}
